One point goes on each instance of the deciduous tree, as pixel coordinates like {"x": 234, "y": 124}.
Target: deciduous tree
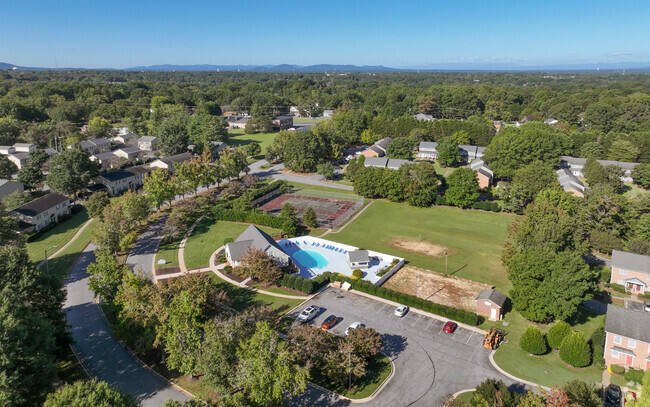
{"x": 89, "y": 393}
{"x": 463, "y": 188}
{"x": 71, "y": 170}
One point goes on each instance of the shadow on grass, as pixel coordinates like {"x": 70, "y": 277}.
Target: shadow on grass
{"x": 581, "y": 316}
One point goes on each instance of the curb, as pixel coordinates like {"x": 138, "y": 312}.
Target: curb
{"x": 503, "y": 372}
{"x": 458, "y": 393}
{"x": 74, "y": 352}
{"x": 140, "y": 362}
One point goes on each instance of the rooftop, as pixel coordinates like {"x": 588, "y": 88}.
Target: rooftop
{"x": 254, "y": 237}
{"x": 40, "y": 205}
{"x": 628, "y": 322}
{"x": 428, "y": 145}
{"x": 492, "y": 295}
{"x": 631, "y": 261}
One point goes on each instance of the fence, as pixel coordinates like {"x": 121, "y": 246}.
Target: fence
{"x": 389, "y": 273}
{"x": 357, "y": 202}
{"x": 265, "y": 198}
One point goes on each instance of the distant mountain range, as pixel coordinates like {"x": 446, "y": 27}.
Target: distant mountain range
{"x": 442, "y": 66}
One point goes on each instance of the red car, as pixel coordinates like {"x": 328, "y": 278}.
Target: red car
{"x": 329, "y": 322}
{"x": 450, "y": 327}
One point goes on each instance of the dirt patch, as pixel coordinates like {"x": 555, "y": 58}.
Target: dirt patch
{"x": 451, "y": 291}
{"x": 420, "y": 247}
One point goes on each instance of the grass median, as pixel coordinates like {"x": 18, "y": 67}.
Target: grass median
{"x": 56, "y": 238}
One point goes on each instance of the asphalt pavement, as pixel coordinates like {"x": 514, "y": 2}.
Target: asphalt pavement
{"x": 144, "y": 251}
{"x": 429, "y": 364}
{"x": 103, "y": 356}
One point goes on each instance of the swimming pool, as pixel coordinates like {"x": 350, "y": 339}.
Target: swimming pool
{"x": 310, "y": 259}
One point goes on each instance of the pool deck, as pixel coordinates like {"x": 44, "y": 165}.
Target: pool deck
{"x": 337, "y": 259}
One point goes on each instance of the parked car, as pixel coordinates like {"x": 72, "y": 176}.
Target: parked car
{"x": 401, "y": 310}
{"x": 308, "y": 313}
{"x": 450, "y": 327}
{"x": 329, "y": 322}
{"x": 354, "y": 325}
{"x": 613, "y": 394}
{"x": 647, "y": 306}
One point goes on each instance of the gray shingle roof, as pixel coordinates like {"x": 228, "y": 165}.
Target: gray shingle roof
{"x": 375, "y": 162}
{"x": 147, "y": 138}
{"x": 254, "y": 237}
{"x": 178, "y": 158}
{"x": 395, "y": 163}
{"x": 383, "y": 143}
{"x": 40, "y": 205}
{"x": 428, "y": 146}
{"x": 357, "y": 256}
{"x": 492, "y": 295}
{"x": 628, "y": 322}
{"x": 631, "y": 261}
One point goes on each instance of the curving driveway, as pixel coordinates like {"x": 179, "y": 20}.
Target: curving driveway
{"x": 144, "y": 251}
{"x": 99, "y": 353}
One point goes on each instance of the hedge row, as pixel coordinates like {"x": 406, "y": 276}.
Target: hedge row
{"x": 634, "y": 375}
{"x": 305, "y": 285}
{"x": 441, "y": 200}
{"x": 257, "y": 218}
{"x": 253, "y": 194}
{"x": 467, "y": 317}
{"x": 616, "y": 287}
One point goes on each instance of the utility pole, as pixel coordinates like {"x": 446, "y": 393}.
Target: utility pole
{"x": 445, "y": 262}
{"x": 47, "y": 265}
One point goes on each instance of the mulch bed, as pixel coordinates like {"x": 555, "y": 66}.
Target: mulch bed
{"x": 232, "y": 276}
{"x": 167, "y": 270}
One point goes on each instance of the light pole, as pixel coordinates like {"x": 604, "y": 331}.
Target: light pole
{"x": 445, "y": 262}
{"x": 47, "y": 265}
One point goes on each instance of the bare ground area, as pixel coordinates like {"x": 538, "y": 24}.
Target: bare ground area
{"x": 451, "y": 291}
{"x": 420, "y": 247}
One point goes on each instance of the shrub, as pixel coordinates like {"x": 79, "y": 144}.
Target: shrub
{"x": 532, "y": 341}
{"x": 441, "y": 200}
{"x": 228, "y": 240}
{"x": 617, "y": 287}
{"x": 357, "y": 273}
{"x": 557, "y": 333}
{"x": 616, "y": 369}
{"x": 227, "y": 269}
{"x": 598, "y": 347}
{"x": 307, "y": 286}
{"x": 634, "y": 375}
{"x": 575, "y": 350}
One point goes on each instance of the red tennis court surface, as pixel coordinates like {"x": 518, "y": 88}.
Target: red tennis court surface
{"x": 329, "y": 212}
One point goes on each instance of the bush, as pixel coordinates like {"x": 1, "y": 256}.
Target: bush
{"x": 228, "y": 240}
{"x": 532, "y": 341}
{"x": 227, "y": 269}
{"x": 575, "y": 350}
{"x": 616, "y": 287}
{"x": 357, "y": 273}
{"x": 441, "y": 200}
{"x": 307, "y": 286}
{"x": 76, "y": 208}
{"x": 616, "y": 369}
{"x": 598, "y": 347}
{"x": 557, "y": 333}
{"x": 634, "y": 375}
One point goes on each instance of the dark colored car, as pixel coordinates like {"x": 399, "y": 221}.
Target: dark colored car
{"x": 450, "y": 327}
{"x": 613, "y": 394}
{"x": 329, "y": 322}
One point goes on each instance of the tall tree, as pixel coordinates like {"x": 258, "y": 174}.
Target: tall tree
{"x": 401, "y": 148}
{"x": 463, "y": 188}
{"x": 267, "y": 368}
{"x": 448, "y": 153}
{"x": 89, "y": 393}
{"x": 7, "y": 168}
{"x": 71, "y": 170}
{"x": 96, "y": 203}
{"x": 160, "y": 186}
{"x": 99, "y": 127}
{"x": 105, "y": 275}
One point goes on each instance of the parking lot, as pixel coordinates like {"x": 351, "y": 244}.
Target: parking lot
{"x": 429, "y": 364}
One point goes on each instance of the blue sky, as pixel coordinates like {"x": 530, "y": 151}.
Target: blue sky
{"x": 120, "y": 34}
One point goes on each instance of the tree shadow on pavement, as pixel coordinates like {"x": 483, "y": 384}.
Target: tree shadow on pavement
{"x": 393, "y": 344}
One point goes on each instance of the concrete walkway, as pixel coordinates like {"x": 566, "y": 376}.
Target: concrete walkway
{"x": 65, "y": 246}
{"x": 181, "y": 245}
{"x": 100, "y": 354}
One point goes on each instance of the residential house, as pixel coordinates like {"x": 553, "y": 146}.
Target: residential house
{"x": 358, "y": 259}
{"x": 7, "y": 187}
{"x": 120, "y": 131}
{"x": 216, "y": 147}
{"x": 631, "y": 271}
{"x": 148, "y": 143}
{"x": 131, "y": 154}
{"x": 237, "y": 122}
{"x": 171, "y": 161}
{"x": 254, "y": 238}
{"x": 96, "y": 146}
{"x": 470, "y": 153}
{"x": 51, "y": 152}
{"x": 283, "y": 122}
{"x": 5, "y": 150}
{"x": 378, "y": 149}
{"x": 42, "y": 211}
{"x": 484, "y": 175}
{"x": 106, "y": 160}
{"x": 295, "y": 111}
{"x": 424, "y": 117}
{"x": 116, "y": 182}
{"x": 129, "y": 140}
{"x": 551, "y": 122}
{"x": 24, "y": 147}
{"x": 570, "y": 183}
{"x": 378, "y": 162}
{"x": 328, "y": 113}
{"x": 396, "y": 163}
{"x": 627, "y": 339}
{"x": 490, "y": 303}
{"x": 428, "y": 150}
{"x": 19, "y": 159}
{"x": 576, "y": 165}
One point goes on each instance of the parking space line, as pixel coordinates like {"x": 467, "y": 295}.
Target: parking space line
{"x": 470, "y": 337}
{"x": 382, "y": 307}
{"x": 430, "y": 322}
{"x": 417, "y": 320}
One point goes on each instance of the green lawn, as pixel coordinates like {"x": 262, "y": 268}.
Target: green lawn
{"x": 547, "y": 370}
{"x": 237, "y": 137}
{"x": 465, "y": 397}
{"x": 474, "y": 239}
{"x": 60, "y": 265}
{"x": 632, "y": 189}
{"x": 299, "y": 185}
{"x": 169, "y": 252}
{"x": 308, "y": 119}
{"x": 243, "y": 298}
{"x": 208, "y": 236}
{"x": 377, "y": 371}
{"x": 54, "y": 239}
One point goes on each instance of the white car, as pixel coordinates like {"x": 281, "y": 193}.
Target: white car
{"x": 647, "y": 306}
{"x": 308, "y": 313}
{"x": 354, "y": 325}
{"x": 401, "y": 310}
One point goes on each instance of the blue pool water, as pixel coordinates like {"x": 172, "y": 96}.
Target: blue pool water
{"x": 310, "y": 259}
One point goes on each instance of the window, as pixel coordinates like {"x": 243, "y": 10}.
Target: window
{"x": 617, "y": 339}
{"x": 620, "y": 282}
{"x": 622, "y": 272}
{"x": 615, "y": 354}
{"x": 631, "y": 343}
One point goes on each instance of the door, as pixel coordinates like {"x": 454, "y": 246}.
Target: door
{"x": 628, "y": 360}
{"x": 493, "y": 313}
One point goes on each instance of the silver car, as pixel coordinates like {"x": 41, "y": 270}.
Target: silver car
{"x": 308, "y": 313}
{"x": 401, "y": 310}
